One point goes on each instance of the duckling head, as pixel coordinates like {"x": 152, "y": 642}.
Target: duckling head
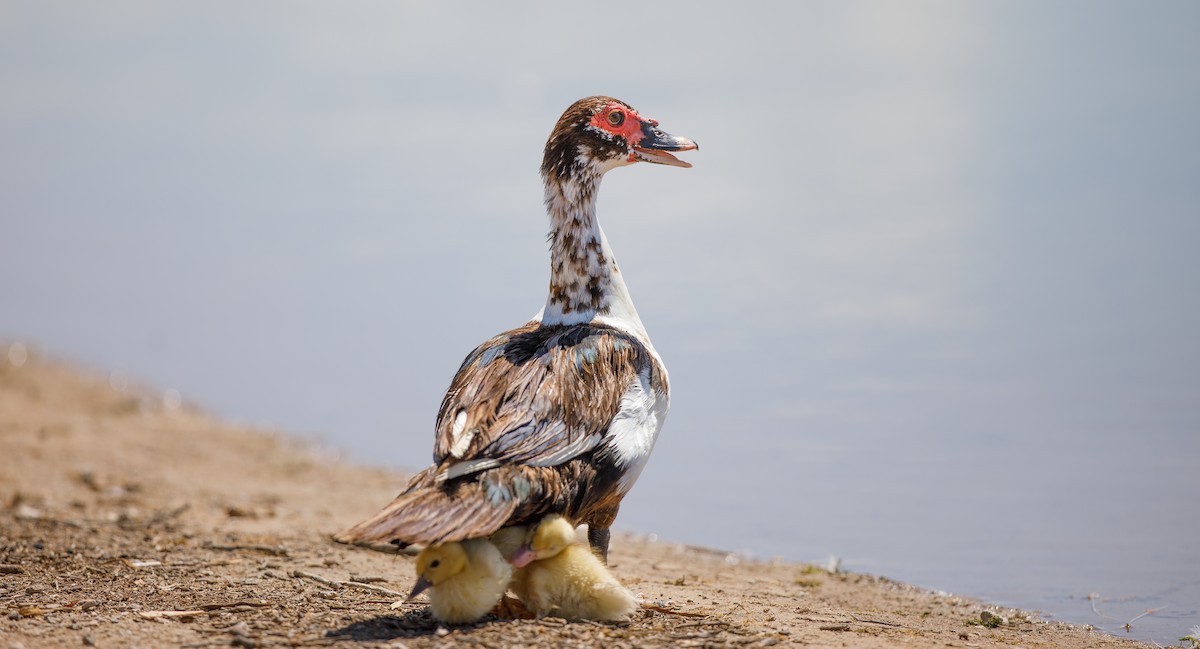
{"x": 551, "y": 536}
{"x": 437, "y": 564}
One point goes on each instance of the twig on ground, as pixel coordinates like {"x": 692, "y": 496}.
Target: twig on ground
{"x": 880, "y": 622}
{"x": 663, "y": 609}
{"x": 278, "y": 551}
{"x": 300, "y": 574}
{"x": 151, "y": 615}
{"x": 364, "y": 579}
{"x": 374, "y": 589}
{"x": 704, "y": 623}
{"x": 166, "y": 515}
{"x": 256, "y": 603}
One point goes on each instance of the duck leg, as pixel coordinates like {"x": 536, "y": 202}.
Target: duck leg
{"x": 598, "y": 538}
{"x": 598, "y": 532}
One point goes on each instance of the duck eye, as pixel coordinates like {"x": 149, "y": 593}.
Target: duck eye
{"x": 616, "y": 118}
{"x": 435, "y": 563}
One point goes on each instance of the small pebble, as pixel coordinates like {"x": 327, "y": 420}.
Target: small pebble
{"x": 88, "y": 641}
{"x": 987, "y": 616}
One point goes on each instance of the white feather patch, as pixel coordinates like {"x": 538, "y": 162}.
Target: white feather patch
{"x": 635, "y": 428}
{"x": 460, "y": 442}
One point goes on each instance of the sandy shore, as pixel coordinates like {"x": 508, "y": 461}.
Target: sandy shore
{"x": 126, "y": 522}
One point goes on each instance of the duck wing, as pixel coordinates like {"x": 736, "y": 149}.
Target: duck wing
{"x": 538, "y": 395}
{"x": 514, "y": 432}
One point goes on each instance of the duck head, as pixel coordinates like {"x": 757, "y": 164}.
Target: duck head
{"x": 597, "y": 134}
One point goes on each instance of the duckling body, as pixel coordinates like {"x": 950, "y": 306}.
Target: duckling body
{"x": 562, "y": 577}
{"x": 464, "y": 579}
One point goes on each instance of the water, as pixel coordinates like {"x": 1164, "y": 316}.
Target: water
{"x": 927, "y": 297}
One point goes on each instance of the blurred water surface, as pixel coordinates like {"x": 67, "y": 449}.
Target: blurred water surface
{"x": 928, "y": 297}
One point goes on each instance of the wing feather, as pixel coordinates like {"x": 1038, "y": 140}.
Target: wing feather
{"x": 538, "y": 396}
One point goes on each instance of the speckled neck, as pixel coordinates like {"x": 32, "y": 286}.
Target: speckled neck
{"x": 580, "y": 268}
{"x": 585, "y": 283}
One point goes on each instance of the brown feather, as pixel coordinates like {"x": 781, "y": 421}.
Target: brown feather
{"x": 536, "y": 389}
{"x": 429, "y": 513}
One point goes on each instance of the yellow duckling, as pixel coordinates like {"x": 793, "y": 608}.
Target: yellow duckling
{"x": 563, "y": 577}
{"x": 465, "y": 579}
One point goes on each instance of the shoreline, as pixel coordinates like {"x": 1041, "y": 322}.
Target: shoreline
{"x": 130, "y": 519}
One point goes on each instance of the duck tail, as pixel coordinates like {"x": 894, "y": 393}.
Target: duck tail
{"x": 431, "y": 511}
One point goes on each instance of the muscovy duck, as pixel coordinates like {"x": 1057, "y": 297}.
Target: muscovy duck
{"x": 558, "y": 416}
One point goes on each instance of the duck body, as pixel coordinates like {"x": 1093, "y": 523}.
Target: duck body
{"x": 559, "y": 415}
{"x": 464, "y": 580}
{"x": 560, "y": 577}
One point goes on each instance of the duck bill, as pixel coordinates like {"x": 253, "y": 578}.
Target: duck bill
{"x": 655, "y": 143}
{"x": 418, "y": 588}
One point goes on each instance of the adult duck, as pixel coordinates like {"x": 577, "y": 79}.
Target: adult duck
{"x": 558, "y": 416}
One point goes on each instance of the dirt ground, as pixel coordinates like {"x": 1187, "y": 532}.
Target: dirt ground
{"x": 129, "y": 520}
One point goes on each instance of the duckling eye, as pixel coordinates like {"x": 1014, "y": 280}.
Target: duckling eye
{"x": 616, "y": 118}
{"x": 435, "y": 563}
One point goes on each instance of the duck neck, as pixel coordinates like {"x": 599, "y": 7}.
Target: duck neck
{"x": 585, "y": 283}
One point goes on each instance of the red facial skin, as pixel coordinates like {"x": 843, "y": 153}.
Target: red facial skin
{"x": 630, "y": 127}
